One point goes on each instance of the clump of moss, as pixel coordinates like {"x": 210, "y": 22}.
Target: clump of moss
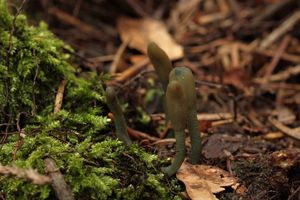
{"x": 102, "y": 170}
{"x": 33, "y": 62}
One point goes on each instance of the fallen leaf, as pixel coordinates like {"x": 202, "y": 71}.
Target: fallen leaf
{"x": 237, "y": 77}
{"x": 286, "y": 158}
{"x": 217, "y": 144}
{"x": 140, "y": 32}
{"x": 202, "y": 181}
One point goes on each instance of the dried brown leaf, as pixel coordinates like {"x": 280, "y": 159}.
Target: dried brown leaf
{"x": 140, "y": 32}
{"x": 218, "y": 144}
{"x": 202, "y": 181}
{"x": 286, "y": 158}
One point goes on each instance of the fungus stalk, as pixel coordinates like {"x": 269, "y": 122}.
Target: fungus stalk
{"x": 186, "y": 79}
{"x": 120, "y": 123}
{"x": 176, "y": 105}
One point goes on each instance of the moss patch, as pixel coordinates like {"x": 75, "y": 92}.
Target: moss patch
{"x": 33, "y": 62}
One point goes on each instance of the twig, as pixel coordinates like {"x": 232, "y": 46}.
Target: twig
{"x": 270, "y": 10}
{"x": 83, "y": 27}
{"x": 77, "y": 7}
{"x": 13, "y": 25}
{"x": 28, "y": 174}
{"x": 117, "y": 57}
{"x": 270, "y": 68}
{"x": 281, "y": 76}
{"x": 279, "y": 31}
{"x": 131, "y": 71}
{"x": 62, "y": 190}
{"x": 137, "y": 8}
{"x": 105, "y": 58}
{"x": 141, "y": 135}
{"x": 33, "y": 112}
{"x": 295, "y": 192}
{"x": 168, "y": 141}
{"x": 268, "y": 52}
{"x": 235, "y": 8}
{"x": 203, "y": 116}
{"x": 59, "y": 96}
{"x": 294, "y": 133}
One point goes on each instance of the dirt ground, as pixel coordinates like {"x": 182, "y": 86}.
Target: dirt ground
{"x": 245, "y": 56}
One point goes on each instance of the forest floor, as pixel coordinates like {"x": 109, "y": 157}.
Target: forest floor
{"x": 245, "y": 56}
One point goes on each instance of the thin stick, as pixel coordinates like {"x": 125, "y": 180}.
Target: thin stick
{"x": 270, "y": 10}
{"x": 59, "y": 96}
{"x": 141, "y": 135}
{"x": 117, "y": 58}
{"x": 28, "y": 174}
{"x": 280, "y": 30}
{"x": 270, "y": 68}
{"x": 83, "y": 27}
{"x": 281, "y": 76}
{"x": 294, "y": 133}
{"x": 62, "y": 190}
{"x": 131, "y": 71}
{"x": 268, "y": 52}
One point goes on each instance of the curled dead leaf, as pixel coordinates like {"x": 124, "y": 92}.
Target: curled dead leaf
{"x": 140, "y": 32}
{"x": 202, "y": 181}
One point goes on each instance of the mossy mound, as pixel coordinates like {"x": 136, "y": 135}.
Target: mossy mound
{"x": 33, "y": 62}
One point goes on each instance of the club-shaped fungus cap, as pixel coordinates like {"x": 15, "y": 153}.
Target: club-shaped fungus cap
{"x": 177, "y": 105}
{"x": 186, "y": 79}
{"x": 161, "y": 63}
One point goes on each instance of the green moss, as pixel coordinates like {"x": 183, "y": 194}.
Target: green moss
{"x": 33, "y": 62}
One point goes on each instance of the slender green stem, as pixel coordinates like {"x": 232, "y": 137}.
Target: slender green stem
{"x": 120, "y": 123}
{"x": 180, "y": 154}
{"x": 193, "y": 127}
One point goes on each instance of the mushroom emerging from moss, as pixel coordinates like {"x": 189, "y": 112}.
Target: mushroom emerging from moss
{"x": 177, "y": 108}
{"x": 186, "y": 79}
{"x": 120, "y": 123}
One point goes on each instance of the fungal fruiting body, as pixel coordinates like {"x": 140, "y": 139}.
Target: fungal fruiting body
{"x": 160, "y": 62}
{"x": 186, "y": 79}
{"x": 176, "y": 105}
{"x": 163, "y": 66}
{"x": 120, "y": 123}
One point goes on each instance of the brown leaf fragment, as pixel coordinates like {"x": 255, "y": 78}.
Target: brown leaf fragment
{"x": 217, "y": 144}
{"x": 286, "y": 159}
{"x": 140, "y": 32}
{"x": 237, "y": 77}
{"x": 202, "y": 181}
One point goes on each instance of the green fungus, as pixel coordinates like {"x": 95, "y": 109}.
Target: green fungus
{"x": 163, "y": 66}
{"x": 186, "y": 79}
{"x": 120, "y": 123}
{"x": 161, "y": 63}
{"x": 176, "y": 104}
